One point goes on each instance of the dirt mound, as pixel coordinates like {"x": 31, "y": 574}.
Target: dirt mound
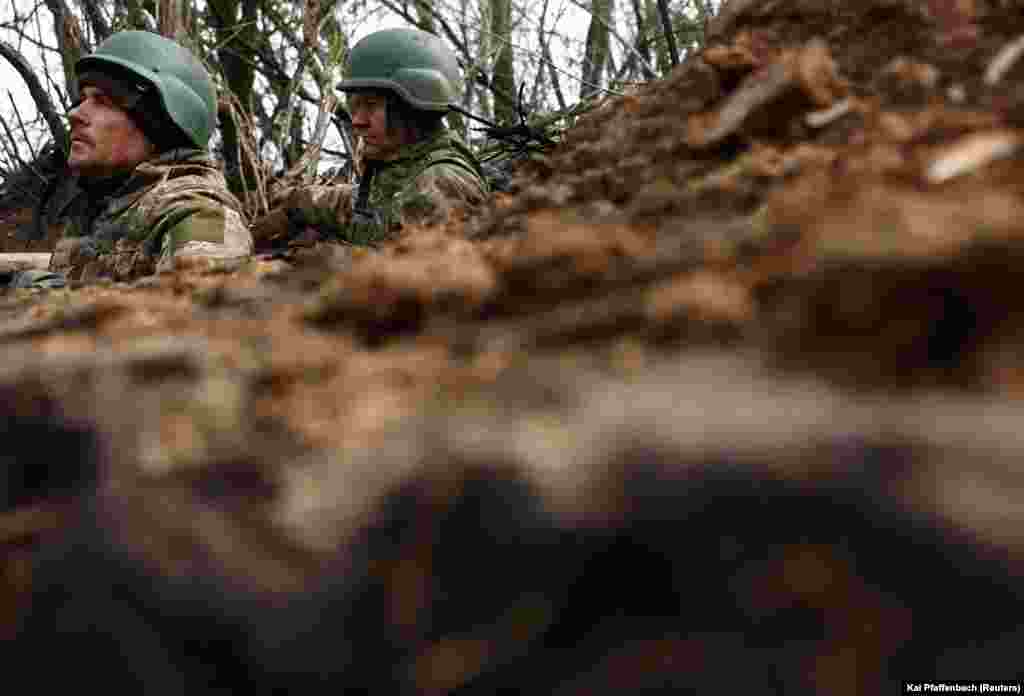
{"x": 729, "y": 378}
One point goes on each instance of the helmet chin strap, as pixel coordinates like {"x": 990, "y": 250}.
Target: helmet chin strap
{"x": 362, "y": 202}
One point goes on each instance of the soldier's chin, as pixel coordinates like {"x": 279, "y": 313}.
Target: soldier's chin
{"x": 78, "y": 152}
{"x": 83, "y": 166}
{"x": 77, "y": 164}
{"x": 377, "y": 152}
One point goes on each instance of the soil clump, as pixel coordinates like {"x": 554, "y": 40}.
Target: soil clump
{"x": 729, "y": 378}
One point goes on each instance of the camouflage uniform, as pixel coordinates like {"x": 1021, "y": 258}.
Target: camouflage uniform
{"x": 154, "y": 213}
{"x": 173, "y": 206}
{"x": 421, "y": 186}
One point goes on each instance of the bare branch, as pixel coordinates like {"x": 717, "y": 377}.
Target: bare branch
{"x": 97, "y": 22}
{"x": 255, "y": 192}
{"x": 305, "y": 169}
{"x": 641, "y": 47}
{"x": 545, "y": 47}
{"x": 39, "y": 95}
{"x": 446, "y": 28}
{"x": 69, "y": 41}
{"x": 538, "y": 81}
{"x": 12, "y": 149}
{"x": 21, "y": 125}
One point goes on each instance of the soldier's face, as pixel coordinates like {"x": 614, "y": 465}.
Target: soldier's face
{"x": 370, "y": 122}
{"x": 104, "y": 138}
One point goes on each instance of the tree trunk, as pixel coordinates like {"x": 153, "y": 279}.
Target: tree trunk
{"x": 661, "y": 57}
{"x": 669, "y": 31}
{"x": 172, "y": 20}
{"x": 97, "y": 22}
{"x": 483, "y": 62}
{"x": 643, "y": 40}
{"x": 595, "y": 53}
{"x": 426, "y": 21}
{"x": 503, "y": 82}
{"x": 69, "y": 42}
{"x": 236, "y": 56}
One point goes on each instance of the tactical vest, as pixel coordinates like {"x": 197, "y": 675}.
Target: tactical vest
{"x": 379, "y": 191}
{"x": 120, "y": 236}
{"x": 392, "y": 177}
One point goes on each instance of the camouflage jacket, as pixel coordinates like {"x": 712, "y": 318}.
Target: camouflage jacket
{"x": 172, "y": 207}
{"x": 421, "y": 186}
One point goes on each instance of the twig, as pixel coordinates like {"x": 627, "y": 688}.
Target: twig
{"x": 10, "y": 138}
{"x": 21, "y": 125}
{"x": 39, "y": 95}
{"x": 307, "y": 164}
{"x": 625, "y": 44}
{"x": 100, "y": 27}
{"x": 68, "y": 31}
{"x": 247, "y": 157}
{"x": 468, "y": 56}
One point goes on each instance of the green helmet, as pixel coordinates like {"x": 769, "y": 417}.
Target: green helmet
{"x": 414, "y": 64}
{"x": 185, "y": 88}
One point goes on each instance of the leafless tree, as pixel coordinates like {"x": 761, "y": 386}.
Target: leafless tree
{"x": 276, "y": 61}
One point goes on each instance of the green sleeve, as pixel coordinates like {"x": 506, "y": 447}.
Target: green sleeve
{"x": 327, "y": 208}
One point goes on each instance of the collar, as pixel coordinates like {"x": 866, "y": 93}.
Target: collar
{"x": 144, "y": 176}
{"x": 412, "y": 151}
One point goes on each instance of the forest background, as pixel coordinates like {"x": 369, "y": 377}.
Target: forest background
{"x": 276, "y": 64}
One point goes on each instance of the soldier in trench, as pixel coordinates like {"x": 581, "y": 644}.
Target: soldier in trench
{"x": 146, "y": 195}
{"x": 400, "y": 84}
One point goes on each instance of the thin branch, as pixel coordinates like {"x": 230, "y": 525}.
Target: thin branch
{"x": 642, "y": 40}
{"x": 13, "y": 150}
{"x": 39, "y": 95}
{"x": 247, "y": 155}
{"x": 98, "y": 23}
{"x": 21, "y": 125}
{"x": 468, "y": 57}
{"x": 629, "y": 48}
{"x": 69, "y": 40}
{"x": 537, "y": 56}
{"x": 445, "y": 27}
{"x": 552, "y": 72}
{"x": 44, "y": 52}
{"x": 310, "y": 159}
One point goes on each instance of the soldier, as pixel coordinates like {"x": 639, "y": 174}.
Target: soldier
{"x": 146, "y": 194}
{"x": 400, "y": 84}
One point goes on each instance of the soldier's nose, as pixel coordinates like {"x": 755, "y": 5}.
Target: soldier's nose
{"x": 359, "y": 116}
{"x": 75, "y": 118}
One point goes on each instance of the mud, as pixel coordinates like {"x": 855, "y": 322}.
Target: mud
{"x": 728, "y": 379}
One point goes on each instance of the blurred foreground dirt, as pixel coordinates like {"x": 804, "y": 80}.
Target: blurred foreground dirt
{"x": 725, "y": 397}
